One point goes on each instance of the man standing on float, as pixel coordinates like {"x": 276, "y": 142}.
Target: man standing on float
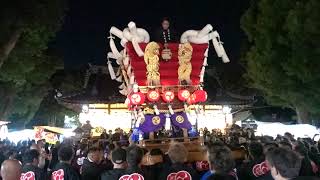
{"x": 165, "y": 34}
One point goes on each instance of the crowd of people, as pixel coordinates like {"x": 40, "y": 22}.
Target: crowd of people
{"x": 112, "y": 157}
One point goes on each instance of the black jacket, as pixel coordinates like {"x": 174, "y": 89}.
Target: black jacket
{"x": 69, "y": 172}
{"x": 174, "y": 168}
{"x": 158, "y": 36}
{"x": 114, "y": 174}
{"x": 39, "y": 173}
{"x": 91, "y": 171}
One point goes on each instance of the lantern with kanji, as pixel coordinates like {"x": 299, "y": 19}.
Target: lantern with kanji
{"x": 200, "y": 96}
{"x": 191, "y": 99}
{"x": 153, "y": 95}
{"x": 136, "y": 98}
{"x": 183, "y": 95}
{"x": 168, "y": 96}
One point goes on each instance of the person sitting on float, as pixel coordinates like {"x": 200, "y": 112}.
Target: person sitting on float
{"x": 165, "y": 34}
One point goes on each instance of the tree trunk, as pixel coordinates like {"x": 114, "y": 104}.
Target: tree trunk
{"x": 7, "y": 47}
{"x": 303, "y": 115}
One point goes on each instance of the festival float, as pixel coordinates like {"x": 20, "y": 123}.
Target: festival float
{"x": 162, "y": 82}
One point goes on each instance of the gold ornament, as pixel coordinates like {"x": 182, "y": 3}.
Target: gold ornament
{"x": 180, "y": 119}
{"x": 185, "y": 67}
{"x": 148, "y": 110}
{"x": 151, "y": 58}
{"x": 156, "y": 120}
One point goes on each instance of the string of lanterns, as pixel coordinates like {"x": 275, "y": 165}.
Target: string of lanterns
{"x": 153, "y": 96}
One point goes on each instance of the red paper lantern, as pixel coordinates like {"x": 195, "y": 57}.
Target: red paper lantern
{"x": 201, "y": 95}
{"x": 153, "y": 95}
{"x": 137, "y": 98}
{"x": 183, "y": 95}
{"x": 191, "y": 99}
{"x": 168, "y": 96}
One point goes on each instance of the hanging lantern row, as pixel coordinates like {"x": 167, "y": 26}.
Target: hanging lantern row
{"x": 138, "y": 98}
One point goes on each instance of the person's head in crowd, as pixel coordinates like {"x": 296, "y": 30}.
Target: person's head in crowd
{"x": 285, "y": 145}
{"x": 288, "y": 136}
{"x": 301, "y": 149}
{"x": 46, "y": 146}
{"x": 155, "y": 152}
{"x": 283, "y": 163}
{"x": 35, "y": 146}
{"x": 31, "y": 157}
{"x": 220, "y": 159}
{"x": 134, "y": 155}
{"x": 165, "y": 23}
{"x": 12, "y": 154}
{"x": 11, "y": 170}
{"x": 111, "y": 147}
{"x": 306, "y": 144}
{"x": 255, "y": 150}
{"x": 314, "y": 150}
{"x": 95, "y": 154}
{"x": 266, "y": 139}
{"x": 178, "y": 153}
{"x": 40, "y": 143}
{"x": 269, "y": 146}
{"x": 119, "y": 158}
{"x": 65, "y": 154}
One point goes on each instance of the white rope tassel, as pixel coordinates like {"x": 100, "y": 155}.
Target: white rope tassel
{"x": 132, "y": 78}
{"x": 167, "y": 126}
{"x": 170, "y": 109}
{"x": 140, "y": 118}
{"x": 216, "y": 43}
{"x": 205, "y": 61}
{"x": 111, "y": 55}
{"x": 206, "y": 52}
{"x": 185, "y": 106}
{"x": 119, "y": 79}
{"x": 124, "y": 92}
{"x": 129, "y": 70}
{"x": 225, "y": 57}
{"x": 118, "y": 72}
{"x": 156, "y": 110}
{"x": 202, "y": 73}
{"x": 126, "y": 61}
{"x": 111, "y": 71}
{"x": 122, "y": 86}
{"x": 114, "y": 49}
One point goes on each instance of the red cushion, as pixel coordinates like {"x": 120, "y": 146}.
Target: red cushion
{"x": 168, "y": 70}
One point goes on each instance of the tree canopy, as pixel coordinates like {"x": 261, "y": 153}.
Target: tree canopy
{"x": 282, "y": 60}
{"x": 26, "y": 62}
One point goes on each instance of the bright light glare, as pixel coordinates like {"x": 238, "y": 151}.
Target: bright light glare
{"x": 17, "y": 136}
{"x": 275, "y": 128}
{"x": 226, "y": 109}
{"x": 100, "y": 118}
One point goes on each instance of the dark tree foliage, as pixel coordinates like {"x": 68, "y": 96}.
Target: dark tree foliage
{"x": 283, "y": 58}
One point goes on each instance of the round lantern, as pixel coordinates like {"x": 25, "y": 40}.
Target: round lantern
{"x": 127, "y": 102}
{"x": 137, "y": 98}
{"x": 183, "y": 94}
{"x": 168, "y": 96}
{"x": 153, "y": 95}
{"x": 201, "y": 95}
{"x": 191, "y": 99}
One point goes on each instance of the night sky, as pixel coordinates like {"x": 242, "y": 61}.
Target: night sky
{"x": 83, "y": 37}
